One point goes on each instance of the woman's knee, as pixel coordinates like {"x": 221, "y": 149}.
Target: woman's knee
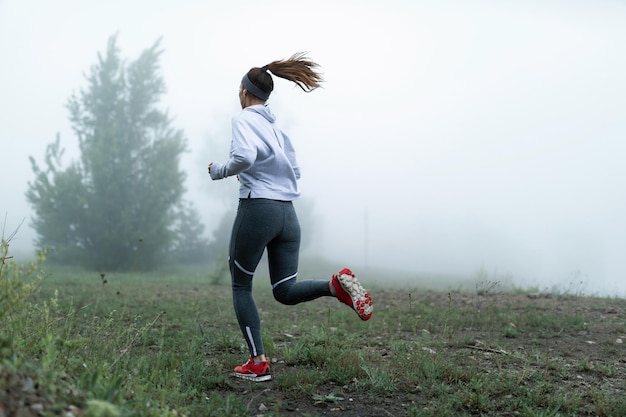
{"x": 282, "y": 296}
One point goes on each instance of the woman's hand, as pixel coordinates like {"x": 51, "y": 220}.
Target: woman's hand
{"x": 210, "y": 165}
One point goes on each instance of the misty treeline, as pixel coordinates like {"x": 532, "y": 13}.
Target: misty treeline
{"x": 121, "y": 205}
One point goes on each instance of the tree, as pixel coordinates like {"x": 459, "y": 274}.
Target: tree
{"x": 119, "y": 205}
{"x": 189, "y": 244}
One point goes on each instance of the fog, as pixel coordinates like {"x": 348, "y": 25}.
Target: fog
{"x": 450, "y": 137}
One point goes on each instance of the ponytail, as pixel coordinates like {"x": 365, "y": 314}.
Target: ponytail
{"x": 298, "y": 68}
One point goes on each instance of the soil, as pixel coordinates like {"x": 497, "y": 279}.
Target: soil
{"x": 601, "y": 314}
{"x": 23, "y": 398}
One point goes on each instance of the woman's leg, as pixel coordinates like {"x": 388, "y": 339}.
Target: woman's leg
{"x": 283, "y": 262}
{"x": 251, "y": 231}
{"x": 283, "y": 254}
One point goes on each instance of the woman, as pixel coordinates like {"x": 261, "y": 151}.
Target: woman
{"x": 264, "y": 160}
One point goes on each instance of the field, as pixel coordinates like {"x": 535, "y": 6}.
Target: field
{"x": 164, "y": 344}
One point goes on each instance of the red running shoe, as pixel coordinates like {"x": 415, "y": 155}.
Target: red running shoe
{"x": 254, "y": 372}
{"x": 350, "y": 292}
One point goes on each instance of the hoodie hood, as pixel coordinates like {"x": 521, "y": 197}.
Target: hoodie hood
{"x": 263, "y": 111}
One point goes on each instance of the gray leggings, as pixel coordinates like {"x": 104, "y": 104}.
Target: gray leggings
{"x": 271, "y": 224}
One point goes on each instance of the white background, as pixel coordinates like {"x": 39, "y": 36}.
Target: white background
{"x": 449, "y": 136}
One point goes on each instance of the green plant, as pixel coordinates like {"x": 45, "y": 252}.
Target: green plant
{"x": 220, "y": 273}
{"x": 380, "y": 380}
{"x": 551, "y": 412}
{"x": 120, "y": 206}
{"x": 510, "y": 331}
{"x": 165, "y": 344}
{"x": 17, "y": 282}
{"x": 327, "y": 398}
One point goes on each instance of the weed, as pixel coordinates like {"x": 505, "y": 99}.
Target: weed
{"x": 219, "y": 405}
{"x": 436, "y": 355}
{"x": 344, "y": 367}
{"x": 220, "y": 273}
{"x": 379, "y": 381}
{"x": 510, "y": 331}
{"x": 552, "y": 412}
{"x": 301, "y": 379}
{"x": 327, "y": 398}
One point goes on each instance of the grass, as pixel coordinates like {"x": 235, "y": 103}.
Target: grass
{"x": 164, "y": 344}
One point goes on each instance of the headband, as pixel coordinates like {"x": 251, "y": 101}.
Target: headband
{"x": 256, "y": 91}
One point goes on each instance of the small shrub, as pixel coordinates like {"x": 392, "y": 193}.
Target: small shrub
{"x": 17, "y": 283}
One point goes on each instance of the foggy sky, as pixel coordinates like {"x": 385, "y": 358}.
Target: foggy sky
{"x": 449, "y": 136}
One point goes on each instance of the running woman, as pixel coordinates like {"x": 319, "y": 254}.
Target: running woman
{"x": 264, "y": 160}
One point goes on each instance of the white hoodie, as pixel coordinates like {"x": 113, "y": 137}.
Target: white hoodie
{"x": 262, "y": 155}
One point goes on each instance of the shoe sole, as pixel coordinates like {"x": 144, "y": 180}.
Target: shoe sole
{"x": 253, "y": 378}
{"x": 361, "y": 300}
